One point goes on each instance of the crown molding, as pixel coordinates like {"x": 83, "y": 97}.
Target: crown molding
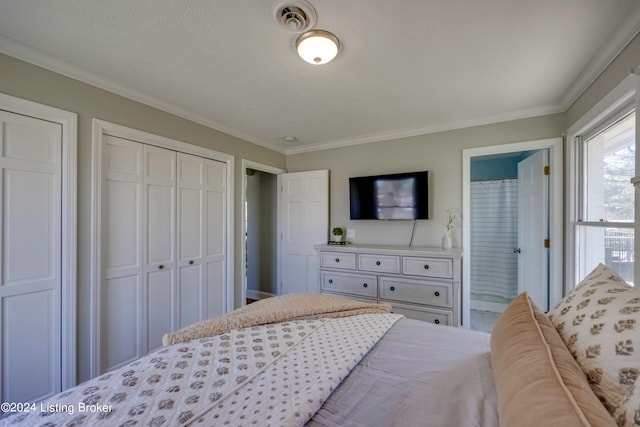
{"x": 605, "y": 56}
{"x": 399, "y": 134}
{"x": 41, "y": 59}
{"x": 610, "y": 50}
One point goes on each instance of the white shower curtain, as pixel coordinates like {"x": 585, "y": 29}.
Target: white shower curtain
{"x": 494, "y": 236}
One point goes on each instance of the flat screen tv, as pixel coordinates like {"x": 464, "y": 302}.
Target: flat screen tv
{"x": 395, "y": 196}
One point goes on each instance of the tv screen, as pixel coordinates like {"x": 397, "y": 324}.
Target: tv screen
{"x": 395, "y": 196}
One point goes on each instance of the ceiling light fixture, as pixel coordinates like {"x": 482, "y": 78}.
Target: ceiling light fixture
{"x": 317, "y": 46}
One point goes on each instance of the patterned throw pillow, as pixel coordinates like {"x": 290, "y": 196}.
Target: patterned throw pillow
{"x": 599, "y": 322}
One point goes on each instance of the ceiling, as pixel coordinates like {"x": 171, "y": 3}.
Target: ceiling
{"x": 405, "y": 67}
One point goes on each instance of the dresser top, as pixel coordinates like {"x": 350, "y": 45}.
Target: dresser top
{"x": 395, "y": 249}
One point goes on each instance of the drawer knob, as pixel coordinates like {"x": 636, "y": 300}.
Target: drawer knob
{"x": 161, "y": 267}
{"x": 426, "y": 266}
{"x": 191, "y": 262}
{"x": 377, "y": 262}
{"x": 364, "y": 285}
{"x": 437, "y": 293}
{"x": 330, "y": 281}
{"x": 393, "y": 288}
{"x": 437, "y": 321}
{"x": 337, "y": 259}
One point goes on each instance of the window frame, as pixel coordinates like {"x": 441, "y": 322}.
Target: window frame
{"x": 615, "y": 105}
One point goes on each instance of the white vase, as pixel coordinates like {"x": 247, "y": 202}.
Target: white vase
{"x": 446, "y": 241}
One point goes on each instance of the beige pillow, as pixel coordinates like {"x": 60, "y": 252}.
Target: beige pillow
{"x": 598, "y": 321}
{"x": 537, "y": 380}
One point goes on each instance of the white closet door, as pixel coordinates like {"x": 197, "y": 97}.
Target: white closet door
{"x": 159, "y": 190}
{"x": 190, "y": 237}
{"x": 30, "y": 288}
{"x": 121, "y": 288}
{"x": 215, "y": 238}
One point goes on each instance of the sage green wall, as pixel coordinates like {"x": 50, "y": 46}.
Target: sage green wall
{"x": 36, "y": 84}
{"x": 439, "y": 153}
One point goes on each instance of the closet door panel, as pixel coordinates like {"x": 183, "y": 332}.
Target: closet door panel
{"x": 190, "y": 291}
{"x": 121, "y": 259}
{"x": 160, "y": 224}
{"x": 120, "y": 327}
{"x": 29, "y": 340}
{"x": 121, "y": 227}
{"x": 190, "y": 223}
{"x": 190, "y": 237}
{"x": 215, "y": 292}
{"x": 30, "y": 257}
{"x": 159, "y": 235}
{"x": 215, "y": 244}
{"x": 160, "y": 302}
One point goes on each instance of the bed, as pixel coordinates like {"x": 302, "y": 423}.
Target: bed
{"x": 319, "y": 360}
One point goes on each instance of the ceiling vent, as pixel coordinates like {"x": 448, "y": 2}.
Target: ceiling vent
{"x": 295, "y": 15}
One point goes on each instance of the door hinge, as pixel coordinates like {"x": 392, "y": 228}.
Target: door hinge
{"x": 547, "y": 170}
{"x": 547, "y": 243}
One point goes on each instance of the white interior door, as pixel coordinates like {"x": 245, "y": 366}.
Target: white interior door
{"x": 304, "y": 223}
{"x": 533, "y": 225}
{"x": 30, "y": 287}
{"x": 190, "y": 237}
{"x": 215, "y": 239}
{"x": 159, "y": 207}
{"x": 121, "y": 273}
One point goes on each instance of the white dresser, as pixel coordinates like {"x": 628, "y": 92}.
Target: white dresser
{"x": 419, "y": 282}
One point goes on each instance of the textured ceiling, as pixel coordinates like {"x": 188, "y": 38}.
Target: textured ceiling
{"x": 405, "y": 67}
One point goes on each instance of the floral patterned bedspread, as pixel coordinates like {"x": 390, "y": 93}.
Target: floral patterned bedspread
{"x": 276, "y": 374}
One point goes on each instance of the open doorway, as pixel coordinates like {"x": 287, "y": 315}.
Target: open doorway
{"x": 512, "y": 228}
{"x": 260, "y": 245}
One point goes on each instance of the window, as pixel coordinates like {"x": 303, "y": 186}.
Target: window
{"x": 604, "y": 230}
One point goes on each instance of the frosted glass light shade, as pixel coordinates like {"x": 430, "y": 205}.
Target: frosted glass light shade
{"x": 317, "y": 46}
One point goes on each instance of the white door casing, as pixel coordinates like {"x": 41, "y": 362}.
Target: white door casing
{"x": 248, "y": 164}
{"x": 533, "y": 212}
{"x": 556, "y": 219}
{"x": 144, "y": 222}
{"x": 304, "y": 223}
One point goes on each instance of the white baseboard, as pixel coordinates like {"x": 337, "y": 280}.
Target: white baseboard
{"x": 258, "y": 295}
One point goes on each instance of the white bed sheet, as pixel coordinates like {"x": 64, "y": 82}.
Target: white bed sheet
{"x": 419, "y": 374}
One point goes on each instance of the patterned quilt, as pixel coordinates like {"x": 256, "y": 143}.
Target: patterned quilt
{"x": 276, "y": 374}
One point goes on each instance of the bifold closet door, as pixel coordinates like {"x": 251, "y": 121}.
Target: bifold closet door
{"x": 201, "y": 238}
{"x": 163, "y": 246}
{"x": 121, "y": 273}
{"x": 158, "y": 213}
{"x": 30, "y": 257}
{"x": 137, "y": 297}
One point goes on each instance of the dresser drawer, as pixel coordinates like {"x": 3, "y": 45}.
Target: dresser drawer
{"x": 357, "y": 284}
{"x": 416, "y": 291}
{"x": 428, "y": 267}
{"x": 351, "y": 297}
{"x": 342, "y": 260}
{"x": 432, "y": 315}
{"x": 379, "y": 263}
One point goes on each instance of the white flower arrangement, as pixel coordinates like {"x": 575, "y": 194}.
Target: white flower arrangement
{"x": 450, "y": 222}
